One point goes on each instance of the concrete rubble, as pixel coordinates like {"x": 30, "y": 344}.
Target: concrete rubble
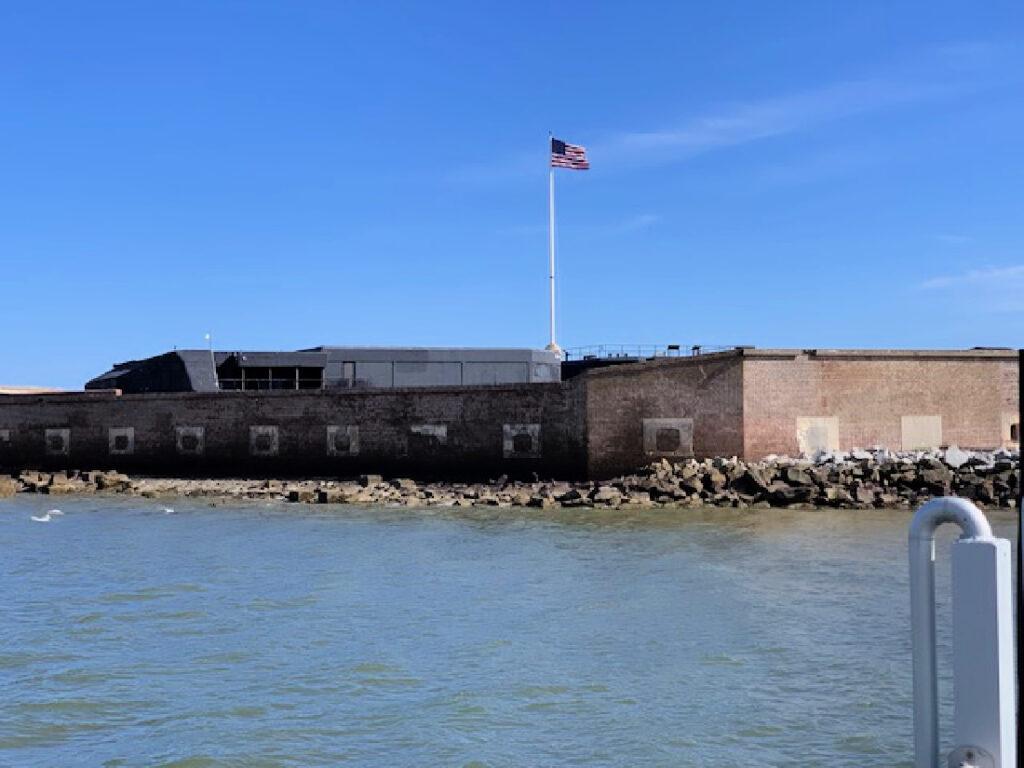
{"x": 857, "y": 479}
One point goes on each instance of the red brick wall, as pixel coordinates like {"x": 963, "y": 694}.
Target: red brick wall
{"x": 707, "y": 389}
{"x": 869, "y": 394}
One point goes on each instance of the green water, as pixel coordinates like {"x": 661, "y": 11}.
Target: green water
{"x": 315, "y": 636}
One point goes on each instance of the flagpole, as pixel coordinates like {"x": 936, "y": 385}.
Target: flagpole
{"x": 553, "y": 346}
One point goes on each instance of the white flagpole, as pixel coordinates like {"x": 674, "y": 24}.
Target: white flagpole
{"x": 553, "y": 346}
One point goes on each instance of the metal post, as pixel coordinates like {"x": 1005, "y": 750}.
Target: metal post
{"x": 553, "y": 345}
{"x": 213, "y": 361}
{"x": 1020, "y": 567}
{"x": 982, "y": 635}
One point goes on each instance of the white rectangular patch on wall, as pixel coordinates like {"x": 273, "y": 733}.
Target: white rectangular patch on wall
{"x": 920, "y": 432}
{"x": 1010, "y": 429}
{"x": 121, "y": 441}
{"x": 342, "y": 441}
{"x": 520, "y": 441}
{"x": 668, "y": 437}
{"x": 190, "y": 441}
{"x": 58, "y": 442}
{"x": 817, "y": 433}
{"x": 263, "y": 440}
{"x": 431, "y": 433}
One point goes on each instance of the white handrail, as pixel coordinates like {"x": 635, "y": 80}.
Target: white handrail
{"x": 983, "y": 640}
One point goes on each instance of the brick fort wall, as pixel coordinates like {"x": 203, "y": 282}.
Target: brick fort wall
{"x": 455, "y": 432}
{"x": 794, "y": 401}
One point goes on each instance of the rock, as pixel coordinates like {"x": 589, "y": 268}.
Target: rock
{"x": 864, "y": 494}
{"x": 303, "y": 495}
{"x": 368, "y": 481}
{"x": 752, "y": 482}
{"x": 838, "y": 496}
{"x": 782, "y": 495}
{"x": 956, "y": 458}
{"x": 8, "y": 487}
{"x": 714, "y": 481}
{"x": 690, "y": 485}
{"x": 330, "y": 496}
{"x": 935, "y": 479}
{"x": 521, "y": 498}
{"x": 113, "y": 481}
{"x": 639, "y": 499}
{"x": 62, "y": 488}
{"x": 607, "y": 494}
{"x": 797, "y": 476}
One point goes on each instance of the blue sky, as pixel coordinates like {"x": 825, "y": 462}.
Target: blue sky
{"x": 289, "y": 174}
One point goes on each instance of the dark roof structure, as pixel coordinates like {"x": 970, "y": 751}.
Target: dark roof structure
{"x": 325, "y": 367}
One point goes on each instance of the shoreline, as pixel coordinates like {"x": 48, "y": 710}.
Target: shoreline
{"x": 856, "y": 480}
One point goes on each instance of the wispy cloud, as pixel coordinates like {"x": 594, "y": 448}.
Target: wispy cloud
{"x": 743, "y": 123}
{"x": 983, "y": 278}
{"x": 953, "y": 239}
{"x": 807, "y": 168}
{"x": 985, "y": 291}
{"x": 736, "y": 124}
{"x": 935, "y": 75}
{"x": 638, "y": 222}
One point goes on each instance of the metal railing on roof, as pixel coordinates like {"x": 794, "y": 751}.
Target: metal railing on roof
{"x": 641, "y": 351}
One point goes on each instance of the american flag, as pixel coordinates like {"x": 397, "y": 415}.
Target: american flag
{"x": 568, "y": 156}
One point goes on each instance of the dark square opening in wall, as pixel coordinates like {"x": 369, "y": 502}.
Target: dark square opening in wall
{"x": 522, "y": 443}
{"x": 189, "y": 442}
{"x": 1015, "y": 432}
{"x": 342, "y": 442}
{"x": 263, "y": 442}
{"x": 55, "y": 443}
{"x": 667, "y": 439}
{"x": 120, "y": 442}
{"x": 424, "y": 443}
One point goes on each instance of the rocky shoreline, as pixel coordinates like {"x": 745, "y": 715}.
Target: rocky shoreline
{"x": 857, "y": 479}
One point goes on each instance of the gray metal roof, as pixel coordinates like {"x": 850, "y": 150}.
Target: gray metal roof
{"x": 281, "y": 359}
{"x": 438, "y": 354}
{"x": 200, "y": 369}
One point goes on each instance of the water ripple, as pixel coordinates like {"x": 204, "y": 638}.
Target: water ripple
{"x": 267, "y": 635}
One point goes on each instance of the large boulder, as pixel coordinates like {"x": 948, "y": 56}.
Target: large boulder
{"x": 955, "y": 457}
{"x": 8, "y": 486}
{"x": 797, "y": 476}
{"x": 782, "y": 495}
{"x": 751, "y": 483}
{"x": 715, "y": 481}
